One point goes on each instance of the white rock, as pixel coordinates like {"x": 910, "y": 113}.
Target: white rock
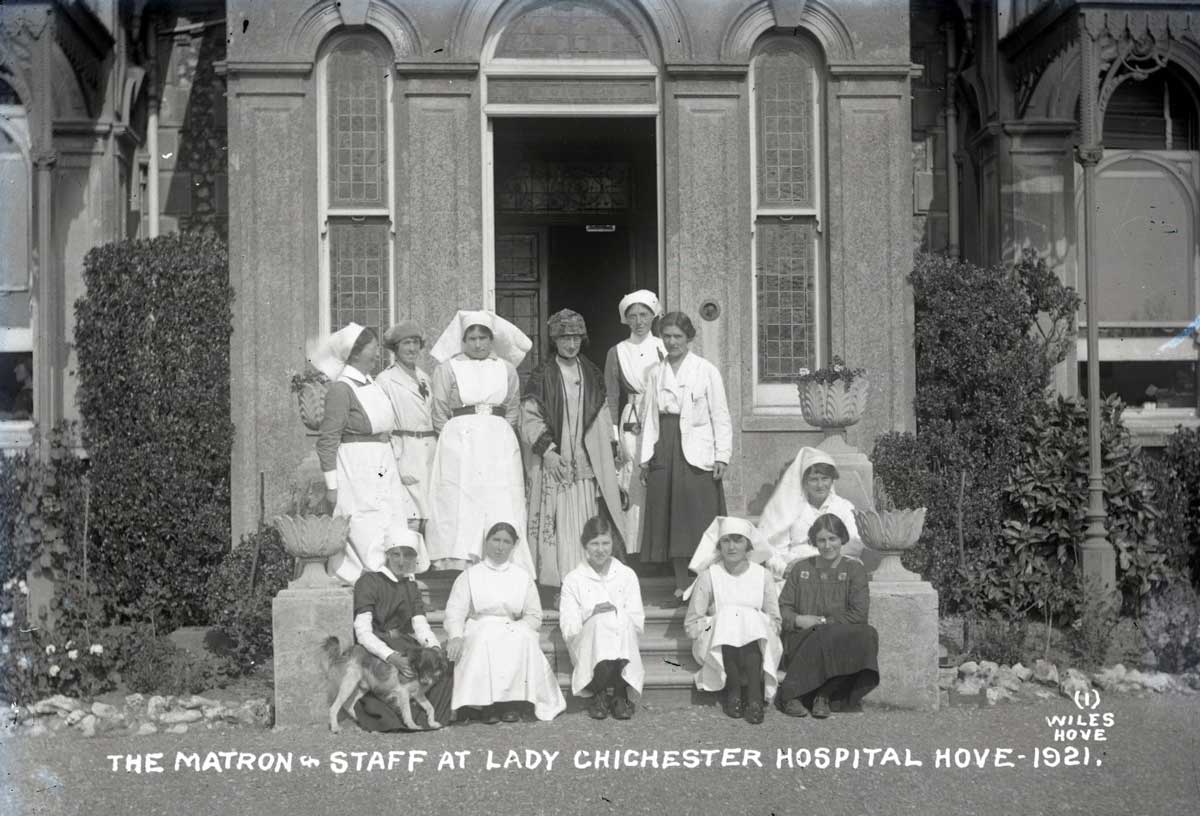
{"x": 1022, "y": 673}
{"x": 996, "y": 693}
{"x": 988, "y": 669}
{"x": 75, "y": 716}
{"x": 969, "y": 668}
{"x": 196, "y": 701}
{"x": 156, "y": 706}
{"x": 1158, "y": 681}
{"x": 37, "y": 729}
{"x": 177, "y": 729}
{"x": 1044, "y": 694}
{"x": 214, "y": 712}
{"x": 1045, "y": 672}
{"x": 88, "y": 725}
{"x": 134, "y": 700}
{"x": 1007, "y": 679}
{"x": 968, "y": 687}
{"x": 104, "y": 710}
{"x": 1074, "y": 682}
{"x": 55, "y": 704}
{"x": 146, "y": 729}
{"x": 1108, "y": 679}
{"x": 186, "y": 715}
{"x": 256, "y": 712}
{"x": 1134, "y": 678}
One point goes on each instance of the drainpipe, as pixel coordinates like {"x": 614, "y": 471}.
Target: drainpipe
{"x": 952, "y": 140}
{"x": 152, "y": 135}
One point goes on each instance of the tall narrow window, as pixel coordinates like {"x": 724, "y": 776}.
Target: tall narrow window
{"x": 16, "y": 331}
{"x": 787, "y": 249}
{"x": 357, "y": 204}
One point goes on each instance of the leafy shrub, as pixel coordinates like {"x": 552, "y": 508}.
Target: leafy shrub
{"x": 1171, "y": 624}
{"x": 1172, "y": 499}
{"x": 35, "y": 663}
{"x": 999, "y": 640}
{"x": 1182, "y": 456}
{"x": 155, "y": 665}
{"x": 1091, "y": 634}
{"x": 1047, "y": 496}
{"x": 153, "y": 339}
{"x": 239, "y": 604}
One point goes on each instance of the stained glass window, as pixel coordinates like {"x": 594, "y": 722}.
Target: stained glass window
{"x": 784, "y": 96}
{"x": 786, "y": 299}
{"x": 358, "y": 75}
{"x": 358, "y": 264}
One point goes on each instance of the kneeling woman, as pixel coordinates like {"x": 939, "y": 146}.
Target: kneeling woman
{"x": 389, "y": 619}
{"x": 831, "y": 651}
{"x": 733, "y": 617}
{"x": 600, "y": 615}
{"x": 494, "y": 620}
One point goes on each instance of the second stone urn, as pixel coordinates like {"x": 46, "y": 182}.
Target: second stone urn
{"x": 312, "y": 540}
{"x": 890, "y": 533}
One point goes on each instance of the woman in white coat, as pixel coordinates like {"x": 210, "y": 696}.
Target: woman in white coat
{"x": 804, "y": 494}
{"x": 600, "y": 615}
{"x": 354, "y": 450}
{"x": 687, "y": 439}
{"x": 733, "y": 618}
{"x": 476, "y": 478}
{"x": 411, "y": 392}
{"x": 494, "y": 621}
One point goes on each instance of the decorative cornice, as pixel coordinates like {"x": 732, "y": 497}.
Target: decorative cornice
{"x": 440, "y": 69}
{"x": 864, "y": 69}
{"x": 268, "y": 68}
{"x": 706, "y": 70}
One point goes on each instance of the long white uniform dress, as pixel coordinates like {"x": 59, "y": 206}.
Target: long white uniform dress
{"x": 476, "y": 479}
{"x": 495, "y": 609}
{"x": 413, "y": 441}
{"x": 369, "y": 490}
{"x": 607, "y": 635}
{"x": 740, "y": 609}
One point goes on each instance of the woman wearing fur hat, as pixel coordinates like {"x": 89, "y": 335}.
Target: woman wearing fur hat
{"x": 625, "y": 370}
{"x": 476, "y": 478}
{"x": 411, "y": 392}
{"x": 354, "y": 450}
{"x": 567, "y": 425}
{"x": 733, "y": 618}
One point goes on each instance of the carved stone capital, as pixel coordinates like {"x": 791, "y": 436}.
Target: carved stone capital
{"x": 1089, "y": 156}
{"x": 45, "y": 159}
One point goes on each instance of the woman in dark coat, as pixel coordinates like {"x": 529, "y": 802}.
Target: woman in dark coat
{"x": 831, "y": 653}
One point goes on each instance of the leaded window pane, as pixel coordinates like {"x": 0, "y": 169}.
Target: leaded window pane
{"x": 786, "y": 293}
{"x": 522, "y": 308}
{"x": 14, "y": 224}
{"x": 784, "y": 94}
{"x": 358, "y": 77}
{"x": 358, "y": 262}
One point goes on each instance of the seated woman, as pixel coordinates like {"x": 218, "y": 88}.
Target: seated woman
{"x": 600, "y": 615}
{"x": 831, "y": 652}
{"x": 494, "y": 620}
{"x": 389, "y": 618}
{"x": 804, "y": 493}
{"x": 733, "y": 618}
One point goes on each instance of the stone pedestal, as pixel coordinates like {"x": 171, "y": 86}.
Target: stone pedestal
{"x": 301, "y": 620}
{"x": 905, "y": 613}
{"x": 856, "y": 474}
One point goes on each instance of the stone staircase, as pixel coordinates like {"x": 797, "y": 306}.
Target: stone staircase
{"x": 666, "y": 649}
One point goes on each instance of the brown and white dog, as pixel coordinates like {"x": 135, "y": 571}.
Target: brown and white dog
{"x": 356, "y": 672}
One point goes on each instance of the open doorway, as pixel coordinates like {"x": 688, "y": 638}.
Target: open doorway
{"x": 576, "y": 209}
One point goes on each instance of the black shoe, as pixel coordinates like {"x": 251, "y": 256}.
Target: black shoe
{"x": 732, "y": 705}
{"x": 795, "y": 708}
{"x": 820, "y": 708}
{"x": 510, "y": 715}
{"x": 754, "y": 713}
{"x": 598, "y": 707}
{"x": 622, "y": 708}
{"x": 490, "y": 715}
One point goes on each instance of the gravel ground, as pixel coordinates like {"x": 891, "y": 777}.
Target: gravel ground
{"x": 1149, "y": 764}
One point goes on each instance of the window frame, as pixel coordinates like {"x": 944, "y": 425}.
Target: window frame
{"x": 17, "y": 434}
{"x": 327, "y": 214}
{"x": 780, "y": 398}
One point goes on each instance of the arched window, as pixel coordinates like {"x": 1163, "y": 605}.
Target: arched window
{"x": 786, "y": 101}
{"x": 16, "y": 332}
{"x": 357, "y": 218}
{"x": 1147, "y": 244}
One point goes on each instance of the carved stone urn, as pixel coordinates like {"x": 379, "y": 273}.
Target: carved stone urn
{"x": 833, "y": 406}
{"x": 311, "y": 397}
{"x": 890, "y": 533}
{"x": 312, "y": 540}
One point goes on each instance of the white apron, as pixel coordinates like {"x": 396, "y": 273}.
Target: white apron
{"x": 739, "y": 619}
{"x": 608, "y": 635}
{"x": 476, "y": 477}
{"x": 414, "y": 455}
{"x": 634, "y": 364}
{"x": 369, "y": 489}
{"x": 502, "y": 658}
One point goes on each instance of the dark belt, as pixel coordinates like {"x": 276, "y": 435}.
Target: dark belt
{"x": 416, "y": 434}
{"x": 632, "y": 427}
{"x": 468, "y": 410}
{"x": 353, "y": 437}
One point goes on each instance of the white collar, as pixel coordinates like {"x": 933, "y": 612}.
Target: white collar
{"x": 353, "y": 374}
{"x": 492, "y": 565}
{"x": 388, "y": 573}
{"x": 596, "y": 576}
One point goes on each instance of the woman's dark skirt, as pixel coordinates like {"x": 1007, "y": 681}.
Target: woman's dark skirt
{"x": 375, "y": 714}
{"x": 681, "y": 500}
{"x": 814, "y": 656}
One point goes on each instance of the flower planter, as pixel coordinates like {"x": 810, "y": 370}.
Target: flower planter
{"x": 312, "y": 404}
{"x": 312, "y": 540}
{"x": 832, "y": 405}
{"x": 890, "y": 533}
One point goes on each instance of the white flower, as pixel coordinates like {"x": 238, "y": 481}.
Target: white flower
{"x": 9, "y": 584}
{"x": 23, "y": 587}
{"x": 804, "y": 372}
{"x": 4, "y": 649}
{"x": 837, "y": 367}
{"x": 69, "y": 644}
{"x": 73, "y": 654}
{"x": 96, "y": 649}
{"x": 54, "y": 670}
{"x": 23, "y": 662}
{"x": 51, "y": 649}
{"x": 6, "y": 620}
